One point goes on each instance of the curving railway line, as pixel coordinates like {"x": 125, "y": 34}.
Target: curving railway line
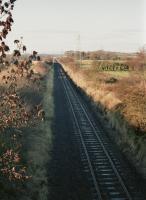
{"x": 109, "y": 176}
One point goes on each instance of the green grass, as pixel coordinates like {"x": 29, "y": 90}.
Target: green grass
{"x": 85, "y": 66}
{"x": 84, "y": 63}
{"x": 88, "y": 63}
{"x": 117, "y": 74}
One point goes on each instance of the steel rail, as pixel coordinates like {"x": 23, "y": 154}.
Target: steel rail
{"x": 84, "y": 146}
{"x": 106, "y": 152}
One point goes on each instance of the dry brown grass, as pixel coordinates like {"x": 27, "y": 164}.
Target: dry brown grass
{"x": 130, "y": 92}
{"x": 123, "y": 103}
{"x": 40, "y": 67}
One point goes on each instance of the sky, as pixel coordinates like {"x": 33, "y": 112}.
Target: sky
{"x": 54, "y": 26}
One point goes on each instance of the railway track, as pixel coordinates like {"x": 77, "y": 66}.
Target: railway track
{"x": 109, "y": 177}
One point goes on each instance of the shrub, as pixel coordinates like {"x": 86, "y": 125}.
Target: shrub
{"x": 111, "y": 80}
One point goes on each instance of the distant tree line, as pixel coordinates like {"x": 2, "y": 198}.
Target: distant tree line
{"x": 97, "y": 55}
{"x": 120, "y": 61}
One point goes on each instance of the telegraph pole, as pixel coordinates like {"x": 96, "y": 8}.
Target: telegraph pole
{"x": 79, "y": 57}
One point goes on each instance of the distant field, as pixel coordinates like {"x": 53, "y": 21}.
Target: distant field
{"x": 112, "y": 61}
{"x": 84, "y": 63}
{"x": 88, "y": 63}
{"x": 118, "y": 73}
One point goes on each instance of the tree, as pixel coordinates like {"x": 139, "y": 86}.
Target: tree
{"x": 6, "y": 21}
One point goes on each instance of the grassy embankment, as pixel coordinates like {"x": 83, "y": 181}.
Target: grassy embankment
{"x": 27, "y": 135}
{"x": 38, "y": 143}
{"x": 122, "y": 101}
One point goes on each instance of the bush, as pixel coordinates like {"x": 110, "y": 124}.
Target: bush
{"x": 111, "y": 80}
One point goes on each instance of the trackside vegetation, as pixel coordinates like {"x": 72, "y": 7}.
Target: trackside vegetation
{"x": 121, "y": 99}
